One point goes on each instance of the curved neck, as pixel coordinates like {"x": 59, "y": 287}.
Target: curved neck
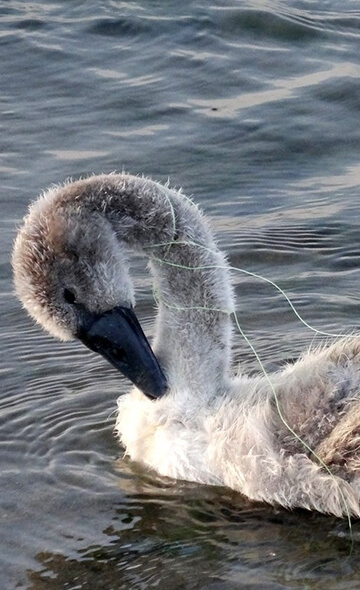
{"x": 193, "y": 331}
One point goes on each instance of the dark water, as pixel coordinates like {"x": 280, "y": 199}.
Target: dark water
{"x": 253, "y": 108}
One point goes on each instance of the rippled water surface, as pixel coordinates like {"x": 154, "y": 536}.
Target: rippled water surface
{"x": 253, "y": 108}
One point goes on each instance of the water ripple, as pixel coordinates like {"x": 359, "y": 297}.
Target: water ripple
{"x": 252, "y": 107}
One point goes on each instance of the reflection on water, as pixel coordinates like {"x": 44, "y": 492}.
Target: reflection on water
{"x": 253, "y": 109}
{"x": 179, "y": 536}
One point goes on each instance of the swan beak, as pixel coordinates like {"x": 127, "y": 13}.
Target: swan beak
{"x": 118, "y": 337}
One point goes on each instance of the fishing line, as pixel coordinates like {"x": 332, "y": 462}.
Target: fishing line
{"x": 248, "y": 273}
{"x": 250, "y": 344}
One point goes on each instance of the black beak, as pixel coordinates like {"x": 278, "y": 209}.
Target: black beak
{"x": 118, "y": 337}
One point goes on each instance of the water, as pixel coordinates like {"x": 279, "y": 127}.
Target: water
{"x": 253, "y": 108}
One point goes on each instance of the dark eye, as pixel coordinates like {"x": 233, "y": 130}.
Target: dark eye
{"x": 69, "y": 296}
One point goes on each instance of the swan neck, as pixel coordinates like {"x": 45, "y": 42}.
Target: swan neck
{"x": 191, "y": 276}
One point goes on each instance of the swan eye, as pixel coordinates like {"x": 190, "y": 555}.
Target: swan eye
{"x": 69, "y": 296}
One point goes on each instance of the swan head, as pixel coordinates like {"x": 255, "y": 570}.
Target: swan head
{"x": 72, "y": 276}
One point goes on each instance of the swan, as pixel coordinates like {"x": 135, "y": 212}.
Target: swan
{"x": 295, "y": 443}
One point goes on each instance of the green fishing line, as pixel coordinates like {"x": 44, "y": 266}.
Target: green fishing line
{"x": 247, "y": 340}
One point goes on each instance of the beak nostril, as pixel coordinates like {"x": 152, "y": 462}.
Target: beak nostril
{"x": 98, "y": 343}
{"x": 118, "y": 354}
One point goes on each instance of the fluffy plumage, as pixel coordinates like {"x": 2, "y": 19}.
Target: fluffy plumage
{"x": 211, "y": 427}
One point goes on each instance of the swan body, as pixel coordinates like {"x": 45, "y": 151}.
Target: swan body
{"x": 190, "y": 419}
